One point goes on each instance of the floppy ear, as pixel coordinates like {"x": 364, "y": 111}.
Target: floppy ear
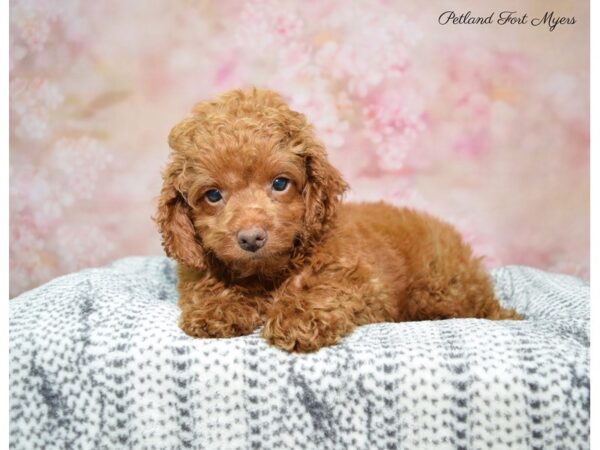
{"x": 323, "y": 189}
{"x": 173, "y": 214}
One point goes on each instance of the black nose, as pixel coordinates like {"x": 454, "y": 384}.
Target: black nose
{"x": 252, "y": 239}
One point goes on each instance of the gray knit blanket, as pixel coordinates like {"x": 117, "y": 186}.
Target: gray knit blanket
{"x": 97, "y": 361}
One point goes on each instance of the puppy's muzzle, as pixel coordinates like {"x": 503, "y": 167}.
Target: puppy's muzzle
{"x": 252, "y": 239}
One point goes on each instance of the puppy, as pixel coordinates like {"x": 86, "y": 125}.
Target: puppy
{"x": 250, "y": 209}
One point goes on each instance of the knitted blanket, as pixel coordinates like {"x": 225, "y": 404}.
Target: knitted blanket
{"x": 97, "y": 361}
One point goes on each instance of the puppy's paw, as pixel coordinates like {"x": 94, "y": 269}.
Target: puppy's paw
{"x": 192, "y": 325}
{"x": 302, "y": 331}
{"x": 219, "y": 321}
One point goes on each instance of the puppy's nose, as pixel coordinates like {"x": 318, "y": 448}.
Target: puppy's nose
{"x": 252, "y": 239}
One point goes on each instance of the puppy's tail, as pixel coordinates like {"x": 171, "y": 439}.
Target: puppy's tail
{"x": 506, "y": 314}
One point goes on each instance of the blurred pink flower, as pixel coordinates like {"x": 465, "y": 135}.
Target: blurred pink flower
{"x": 393, "y": 122}
{"x": 78, "y": 163}
{"x": 263, "y": 23}
{"x": 32, "y": 103}
{"x": 42, "y": 195}
{"x": 377, "y": 46}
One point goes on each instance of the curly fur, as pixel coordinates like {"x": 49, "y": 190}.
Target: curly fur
{"x": 327, "y": 267}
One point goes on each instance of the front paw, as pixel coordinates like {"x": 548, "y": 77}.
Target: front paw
{"x": 303, "y": 331}
{"x": 218, "y": 321}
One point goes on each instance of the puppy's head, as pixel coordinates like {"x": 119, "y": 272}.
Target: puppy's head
{"x": 247, "y": 182}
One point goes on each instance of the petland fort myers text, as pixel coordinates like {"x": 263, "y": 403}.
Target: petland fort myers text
{"x": 550, "y": 19}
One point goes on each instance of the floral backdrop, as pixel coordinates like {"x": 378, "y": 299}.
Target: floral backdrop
{"x": 486, "y": 126}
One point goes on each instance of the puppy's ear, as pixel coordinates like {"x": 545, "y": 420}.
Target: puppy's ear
{"x": 173, "y": 214}
{"x": 323, "y": 189}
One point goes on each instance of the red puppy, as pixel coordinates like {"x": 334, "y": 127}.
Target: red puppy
{"x": 250, "y": 209}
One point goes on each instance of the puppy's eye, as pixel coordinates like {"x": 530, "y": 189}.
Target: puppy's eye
{"x": 213, "y": 196}
{"x": 280, "y": 183}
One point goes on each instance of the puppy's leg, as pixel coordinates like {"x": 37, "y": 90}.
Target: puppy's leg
{"x": 219, "y": 316}
{"x": 306, "y": 318}
{"x": 462, "y": 291}
{"x": 308, "y": 321}
{"x": 444, "y": 279}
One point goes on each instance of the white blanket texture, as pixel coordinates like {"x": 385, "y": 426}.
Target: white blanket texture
{"x": 97, "y": 361}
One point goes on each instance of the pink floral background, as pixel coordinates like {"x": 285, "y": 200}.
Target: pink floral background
{"x": 484, "y": 125}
